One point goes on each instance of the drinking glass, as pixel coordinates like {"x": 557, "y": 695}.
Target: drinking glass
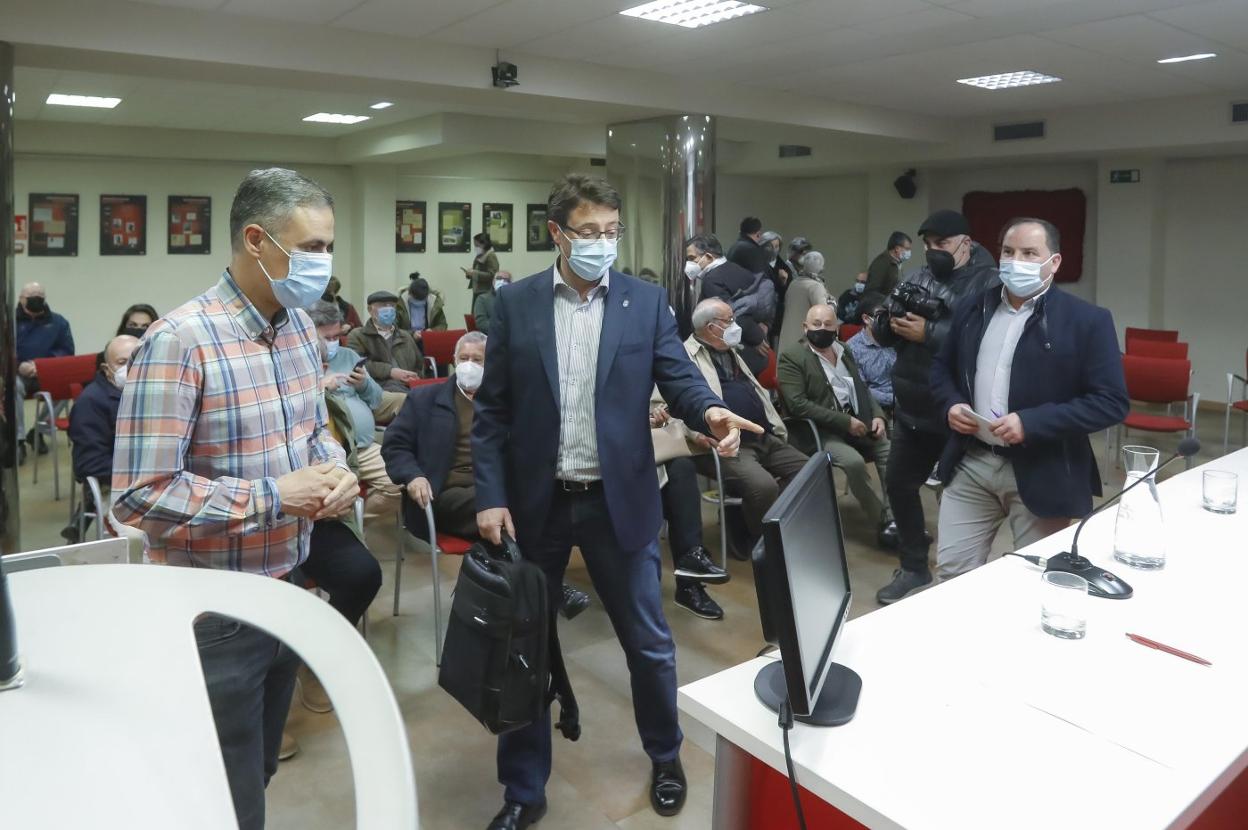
{"x": 1063, "y": 605}
{"x": 1220, "y": 491}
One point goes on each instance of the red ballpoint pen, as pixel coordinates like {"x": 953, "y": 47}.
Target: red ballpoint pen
{"x": 1144, "y": 641}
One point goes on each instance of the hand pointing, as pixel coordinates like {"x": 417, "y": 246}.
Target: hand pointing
{"x": 726, "y": 427}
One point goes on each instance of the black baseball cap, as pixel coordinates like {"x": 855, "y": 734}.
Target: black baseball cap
{"x": 945, "y": 223}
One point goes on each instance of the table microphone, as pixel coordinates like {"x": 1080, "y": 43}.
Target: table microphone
{"x": 1102, "y": 583}
{"x": 10, "y": 663}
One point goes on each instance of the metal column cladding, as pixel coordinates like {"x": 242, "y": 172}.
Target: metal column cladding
{"x": 665, "y": 170}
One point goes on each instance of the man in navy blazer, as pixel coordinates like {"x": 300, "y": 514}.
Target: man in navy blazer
{"x": 563, "y": 457}
{"x": 1043, "y": 368}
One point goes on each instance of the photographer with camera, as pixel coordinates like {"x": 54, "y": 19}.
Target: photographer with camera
{"x": 916, "y": 319}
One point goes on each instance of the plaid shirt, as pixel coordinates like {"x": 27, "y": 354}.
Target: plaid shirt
{"x": 218, "y": 404}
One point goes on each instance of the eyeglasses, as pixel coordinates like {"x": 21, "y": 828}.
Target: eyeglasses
{"x": 726, "y": 323}
{"x": 588, "y": 234}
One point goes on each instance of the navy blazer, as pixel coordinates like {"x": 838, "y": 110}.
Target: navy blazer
{"x": 420, "y": 443}
{"x": 1066, "y": 382}
{"x": 515, "y": 433}
{"x": 92, "y": 429}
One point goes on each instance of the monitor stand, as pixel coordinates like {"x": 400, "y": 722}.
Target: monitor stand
{"x": 838, "y": 700}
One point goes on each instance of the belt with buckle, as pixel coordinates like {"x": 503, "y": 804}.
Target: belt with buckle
{"x": 577, "y": 486}
{"x": 1001, "y": 452}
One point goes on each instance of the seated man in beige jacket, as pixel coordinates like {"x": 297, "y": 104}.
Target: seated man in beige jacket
{"x": 765, "y": 464}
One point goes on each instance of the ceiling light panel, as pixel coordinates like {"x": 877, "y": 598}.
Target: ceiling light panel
{"x": 693, "y": 14}
{"x": 96, "y": 101}
{"x": 336, "y": 118}
{"x": 1010, "y": 80}
{"x": 1203, "y": 56}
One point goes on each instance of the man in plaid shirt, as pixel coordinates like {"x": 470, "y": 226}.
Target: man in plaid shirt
{"x": 223, "y": 457}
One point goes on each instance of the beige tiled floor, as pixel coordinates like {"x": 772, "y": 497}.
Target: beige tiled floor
{"x": 599, "y": 782}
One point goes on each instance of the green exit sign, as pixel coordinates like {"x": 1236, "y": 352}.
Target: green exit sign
{"x": 1124, "y": 176}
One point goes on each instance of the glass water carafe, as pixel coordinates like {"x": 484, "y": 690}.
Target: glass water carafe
{"x": 1139, "y": 534}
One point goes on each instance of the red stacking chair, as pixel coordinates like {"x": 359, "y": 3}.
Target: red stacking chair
{"x": 1170, "y": 350}
{"x": 767, "y": 377}
{"x": 1158, "y": 380}
{"x": 1157, "y": 335}
{"x": 1233, "y": 404}
{"x": 440, "y": 544}
{"x": 57, "y": 376}
{"x": 414, "y": 382}
{"x": 439, "y": 346}
{"x": 848, "y": 330}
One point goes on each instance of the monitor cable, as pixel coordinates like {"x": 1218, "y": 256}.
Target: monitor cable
{"x": 786, "y": 724}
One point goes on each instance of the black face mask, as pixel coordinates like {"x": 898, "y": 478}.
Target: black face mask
{"x": 135, "y": 331}
{"x": 36, "y": 305}
{"x": 821, "y": 338}
{"x": 940, "y": 263}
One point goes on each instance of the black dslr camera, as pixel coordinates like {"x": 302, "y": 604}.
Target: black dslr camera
{"x": 909, "y": 297}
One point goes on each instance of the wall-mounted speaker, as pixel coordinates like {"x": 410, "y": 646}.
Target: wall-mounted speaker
{"x": 904, "y": 184}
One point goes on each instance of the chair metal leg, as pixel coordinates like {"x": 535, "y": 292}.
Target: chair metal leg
{"x": 398, "y": 562}
{"x": 73, "y": 502}
{"x": 434, "y": 552}
{"x": 56, "y": 468}
{"x": 723, "y": 523}
{"x": 98, "y": 512}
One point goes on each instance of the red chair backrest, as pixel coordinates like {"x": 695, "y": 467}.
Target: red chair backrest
{"x": 470, "y": 322}
{"x": 56, "y": 374}
{"x": 414, "y": 382}
{"x": 767, "y": 378}
{"x": 440, "y": 345}
{"x": 1155, "y": 379}
{"x": 1164, "y": 335}
{"x": 848, "y": 330}
{"x": 1157, "y": 348}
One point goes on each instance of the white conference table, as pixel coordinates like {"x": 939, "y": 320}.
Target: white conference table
{"x": 972, "y": 717}
{"x": 113, "y": 728}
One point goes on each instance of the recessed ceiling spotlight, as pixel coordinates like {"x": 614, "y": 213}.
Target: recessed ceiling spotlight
{"x": 1009, "y": 80}
{"x": 1203, "y": 56}
{"x": 381, "y": 105}
{"x": 336, "y": 118}
{"x": 96, "y": 101}
{"x": 692, "y": 14}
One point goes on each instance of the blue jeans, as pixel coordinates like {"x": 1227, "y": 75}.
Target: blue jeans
{"x": 250, "y": 678}
{"x": 627, "y": 583}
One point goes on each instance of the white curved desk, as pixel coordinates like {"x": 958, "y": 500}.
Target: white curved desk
{"x": 972, "y": 717}
{"x": 113, "y": 729}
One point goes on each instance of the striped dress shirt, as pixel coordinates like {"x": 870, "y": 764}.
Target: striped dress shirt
{"x": 219, "y": 403}
{"x": 578, "y": 327}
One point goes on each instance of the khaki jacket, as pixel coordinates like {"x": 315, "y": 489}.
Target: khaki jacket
{"x": 701, "y": 357}
{"x": 435, "y": 316}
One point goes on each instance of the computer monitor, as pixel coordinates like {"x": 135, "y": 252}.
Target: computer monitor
{"x": 802, "y": 580}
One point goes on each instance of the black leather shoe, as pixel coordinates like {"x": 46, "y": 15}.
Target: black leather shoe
{"x": 574, "y": 601}
{"x": 517, "y": 816}
{"x": 668, "y": 788}
{"x": 693, "y": 598}
{"x": 697, "y": 565}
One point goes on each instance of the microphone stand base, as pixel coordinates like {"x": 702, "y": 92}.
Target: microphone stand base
{"x": 1101, "y": 583}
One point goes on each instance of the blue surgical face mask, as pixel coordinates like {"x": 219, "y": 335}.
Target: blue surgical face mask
{"x": 306, "y": 279}
{"x": 386, "y": 315}
{"x": 905, "y": 255}
{"x": 591, "y": 258}
{"x": 860, "y": 287}
{"x": 1022, "y": 279}
{"x": 331, "y": 348}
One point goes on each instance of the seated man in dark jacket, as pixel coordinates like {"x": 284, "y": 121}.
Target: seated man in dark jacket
{"x": 428, "y": 453}
{"x": 819, "y": 380}
{"x": 93, "y": 422}
{"x": 394, "y": 356}
{"x": 957, "y": 269}
{"x": 721, "y": 279}
{"x": 41, "y": 332}
{"x": 1044, "y": 368}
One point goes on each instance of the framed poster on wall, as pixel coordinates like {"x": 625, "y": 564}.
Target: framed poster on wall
{"x": 454, "y": 227}
{"x": 538, "y": 235}
{"x": 53, "y": 224}
{"x": 409, "y": 227}
{"x": 123, "y": 225}
{"x": 496, "y": 220}
{"x": 988, "y": 213}
{"x": 190, "y": 224}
